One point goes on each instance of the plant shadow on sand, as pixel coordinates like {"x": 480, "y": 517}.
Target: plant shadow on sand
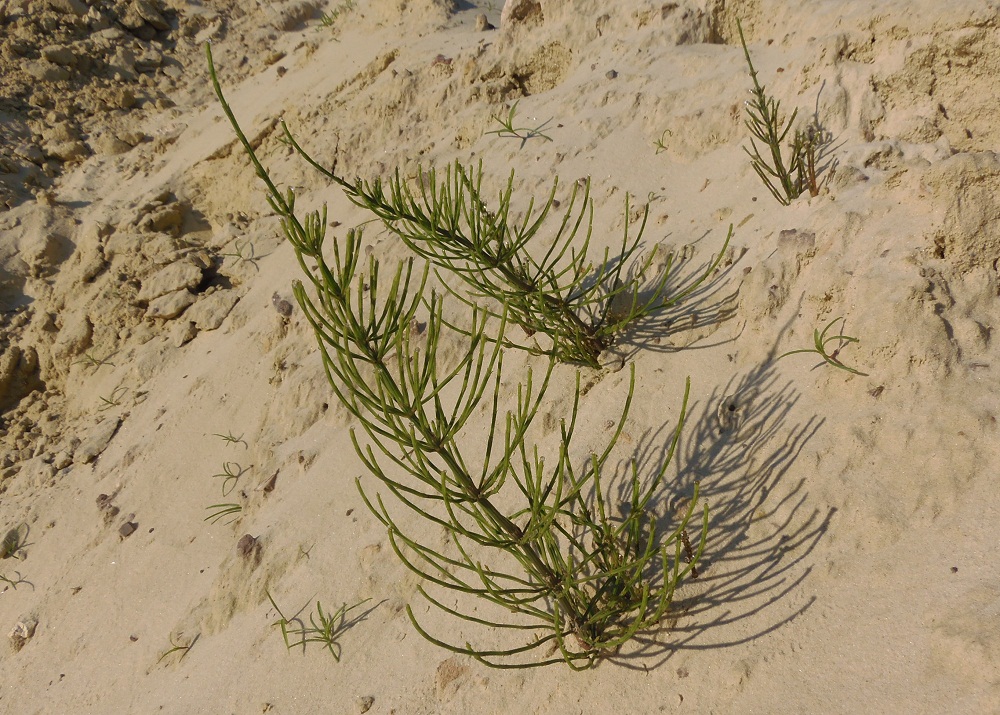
{"x": 705, "y": 305}
{"x": 756, "y": 556}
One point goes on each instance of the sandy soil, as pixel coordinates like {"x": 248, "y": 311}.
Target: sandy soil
{"x": 852, "y": 558}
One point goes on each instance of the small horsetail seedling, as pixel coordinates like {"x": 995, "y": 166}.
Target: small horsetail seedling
{"x": 15, "y": 582}
{"x": 329, "y": 19}
{"x": 94, "y": 361}
{"x": 112, "y": 400}
{"x": 324, "y": 627}
{"x": 230, "y": 476}
{"x": 579, "y": 575}
{"x": 183, "y": 649}
{"x": 231, "y": 439}
{"x": 820, "y": 341}
{"x": 223, "y": 510}
{"x": 508, "y": 130}
{"x": 244, "y": 253}
{"x": 660, "y": 143}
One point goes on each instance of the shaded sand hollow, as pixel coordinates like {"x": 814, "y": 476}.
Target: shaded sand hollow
{"x": 851, "y": 564}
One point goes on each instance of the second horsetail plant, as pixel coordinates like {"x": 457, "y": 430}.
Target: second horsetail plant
{"x": 785, "y": 182}
{"x": 535, "y": 538}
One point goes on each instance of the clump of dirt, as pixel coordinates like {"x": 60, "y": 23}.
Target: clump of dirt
{"x": 92, "y": 86}
{"x": 71, "y": 74}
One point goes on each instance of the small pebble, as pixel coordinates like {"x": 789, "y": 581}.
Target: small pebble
{"x": 127, "y": 529}
{"x": 365, "y": 703}
{"x": 245, "y": 545}
{"x": 22, "y": 632}
{"x": 281, "y": 305}
{"x": 249, "y": 548}
{"x": 611, "y": 74}
{"x": 483, "y": 23}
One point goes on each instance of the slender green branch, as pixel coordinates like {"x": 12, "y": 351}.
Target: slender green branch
{"x": 220, "y": 511}
{"x": 582, "y": 306}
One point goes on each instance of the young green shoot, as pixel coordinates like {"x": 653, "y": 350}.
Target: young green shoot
{"x": 230, "y": 476}
{"x": 180, "y": 647}
{"x": 223, "y": 510}
{"x": 821, "y": 340}
{"x": 329, "y": 19}
{"x": 508, "y": 130}
{"x": 231, "y": 439}
{"x": 15, "y": 582}
{"x": 324, "y": 627}
{"x": 660, "y": 143}
{"x": 113, "y": 400}
{"x": 244, "y": 252}
{"x": 94, "y": 361}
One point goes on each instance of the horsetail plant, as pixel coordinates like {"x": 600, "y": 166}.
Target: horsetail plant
{"x": 536, "y": 539}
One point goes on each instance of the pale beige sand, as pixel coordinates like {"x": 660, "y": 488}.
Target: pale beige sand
{"x": 852, "y": 560}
